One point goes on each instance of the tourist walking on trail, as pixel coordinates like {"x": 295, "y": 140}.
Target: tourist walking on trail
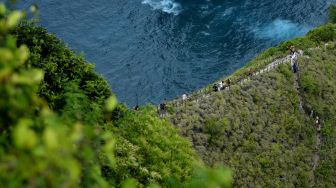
{"x": 220, "y": 86}
{"x": 294, "y": 64}
{"x": 293, "y": 57}
{"x": 223, "y": 85}
{"x": 215, "y": 87}
{"x": 292, "y": 49}
{"x": 295, "y": 67}
{"x": 162, "y": 109}
{"x": 228, "y": 83}
{"x": 250, "y": 74}
{"x": 184, "y": 99}
{"x": 318, "y": 124}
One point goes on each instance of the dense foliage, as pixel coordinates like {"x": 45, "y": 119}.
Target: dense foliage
{"x": 61, "y": 66}
{"x": 60, "y": 126}
{"x": 37, "y": 148}
{"x": 258, "y": 129}
{"x": 142, "y": 142}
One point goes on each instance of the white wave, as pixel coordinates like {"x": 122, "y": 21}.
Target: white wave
{"x": 280, "y": 30}
{"x": 228, "y": 12}
{"x": 168, "y": 6}
{"x": 205, "y": 33}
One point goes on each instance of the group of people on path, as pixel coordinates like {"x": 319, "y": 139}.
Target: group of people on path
{"x": 163, "y": 108}
{"x": 223, "y": 85}
{"x": 295, "y": 68}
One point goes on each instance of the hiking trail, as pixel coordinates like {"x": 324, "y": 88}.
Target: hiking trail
{"x": 273, "y": 65}
{"x": 309, "y": 112}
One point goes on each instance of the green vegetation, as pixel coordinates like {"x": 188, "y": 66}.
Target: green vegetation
{"x": 258, "y": 129}
{"x": 37, "y": 148}
{"x": 60, "y": 126}
{"x": 150, "y": 149}
{"x": 318, "y": 76}
{"x": 61, "y": 66}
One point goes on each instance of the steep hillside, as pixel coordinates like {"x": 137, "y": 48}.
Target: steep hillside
{"x": 60, "y": 126}
{"x": 264, "y": 126}
{"x": 318, "y": 86}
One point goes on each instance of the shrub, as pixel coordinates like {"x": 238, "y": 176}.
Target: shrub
{"x": 332, "y": 13}
{"x": 301, "y": 43}
{"x": 215, "y": 128}
{"x": 309, "y": 85}
{"x": 323, "y": 33}
{"x": 151, "y": 150}
{"x": 61, "y": 65}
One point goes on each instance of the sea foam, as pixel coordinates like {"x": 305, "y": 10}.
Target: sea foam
{"x": 168, "y": 6}
{"x": 280, "y": 30}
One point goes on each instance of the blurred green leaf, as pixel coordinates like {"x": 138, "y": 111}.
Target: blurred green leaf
{"x": 13, "y": 19}
{"x": 2, "y": 9}
{"x": 24, "y": 137}
{"x": 111, "y": 103}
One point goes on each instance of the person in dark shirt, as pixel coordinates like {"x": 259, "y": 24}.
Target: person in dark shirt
{"x": 228, "y": 81}
{"x": 215, "y": 87}
{"x": 295, "y": 67}
{"x": 250, "y": 73}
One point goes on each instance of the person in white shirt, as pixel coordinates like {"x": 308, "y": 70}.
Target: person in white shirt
{"x": 220, "y": 86}
{"x": 184, "y": 97}
{"x": 318, "y": 124}
{"x": 293, "y": 58}
{"x": 294, "y": 64}
{"x": 224, "y": 85}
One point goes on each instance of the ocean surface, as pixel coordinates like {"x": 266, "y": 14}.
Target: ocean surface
{"x": 151, "y": 50}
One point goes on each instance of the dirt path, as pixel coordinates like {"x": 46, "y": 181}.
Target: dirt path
{"x": 267, "y": 69}
{"x": 297, "y": 87}
{"x": 316, "y": 156}
{"x": 304, "y": 109}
